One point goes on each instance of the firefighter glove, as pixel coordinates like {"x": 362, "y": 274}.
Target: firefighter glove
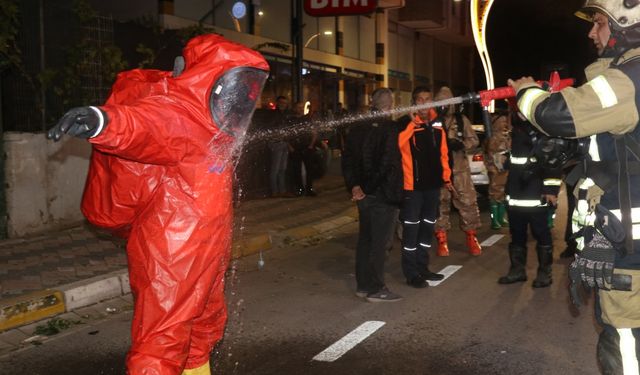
{"x": 593, "y": 266}
{"x": 81, "y": 122}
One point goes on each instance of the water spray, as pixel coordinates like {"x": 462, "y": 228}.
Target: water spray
{"x": 484, "y": 98}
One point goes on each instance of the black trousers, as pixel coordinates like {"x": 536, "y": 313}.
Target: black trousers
{"x": 521, "y": 218}
{"x": 418, "y": 215}
{"x": 377, "y": 222}
{"x": 571, "y": 205}
{"x": 298, "y": 157}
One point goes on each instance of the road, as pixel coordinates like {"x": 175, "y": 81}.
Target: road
{"x": 302, "y": 301}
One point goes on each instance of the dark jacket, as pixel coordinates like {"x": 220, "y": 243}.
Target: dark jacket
{"x": 528, "y": 181}
{"x": 371, "y": 159}
{"x": 425, "y": 155}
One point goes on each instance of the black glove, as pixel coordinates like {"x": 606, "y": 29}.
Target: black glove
{"x": 593, "y": 266}
{"x": 81, "y": 122}
{"x": 455, "y": 144}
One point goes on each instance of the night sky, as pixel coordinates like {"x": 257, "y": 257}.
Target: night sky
{"x": 524, "y": 36}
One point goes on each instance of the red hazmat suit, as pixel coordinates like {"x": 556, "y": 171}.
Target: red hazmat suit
{"x": 161, "y": 174}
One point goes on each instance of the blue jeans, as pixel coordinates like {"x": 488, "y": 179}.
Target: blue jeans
{"x": 278, "y": 171}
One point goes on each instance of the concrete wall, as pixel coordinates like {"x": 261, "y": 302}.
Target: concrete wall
{"x": 44, "y": 182}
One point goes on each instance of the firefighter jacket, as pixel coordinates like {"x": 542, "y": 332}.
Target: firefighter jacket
{"x": 425, "y": 155}
{"x": 371, "y": 159}
{"x": 606, "y": 109}
{"x": 527, "y": 181}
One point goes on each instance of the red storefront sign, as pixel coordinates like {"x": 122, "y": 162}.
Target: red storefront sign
{"x": 321, "y": 8}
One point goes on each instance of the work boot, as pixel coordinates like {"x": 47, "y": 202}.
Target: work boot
{"x": 202, "y": 370}
{"x": 443, "y": 248}
{"x": 472, "y": 243}
{"x": 495, "y": 215}
{"x": 545, "y": 259}
{"x": 518, "y": 258}
{"x": 502, "y": 211}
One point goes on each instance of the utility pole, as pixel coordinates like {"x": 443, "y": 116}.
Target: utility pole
{"x": 296, "y": 42}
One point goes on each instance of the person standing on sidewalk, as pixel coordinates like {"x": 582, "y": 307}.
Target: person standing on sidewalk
{"x": 460, "y": 138}
{"x": 373, "y": 176}
{"x": 279, "y": 150}
{"x": 161, "y": 169}
{"x": 531, "y": 190}
{"x": 496, "y": 156}
{"x": 303, "y": 150}
{"x": 425, "y": 165}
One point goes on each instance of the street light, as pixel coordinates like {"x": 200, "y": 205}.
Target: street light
{"x": 328, "y": 32}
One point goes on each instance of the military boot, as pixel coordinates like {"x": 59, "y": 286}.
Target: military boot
{"x": 443, "y": 248}
{"x": 502, "y": 211}
{"x": 472, "y": 243}
{"x": 495, "y": 215}
{"x": 518, "y": 258}
{"x": 545, "y": 259}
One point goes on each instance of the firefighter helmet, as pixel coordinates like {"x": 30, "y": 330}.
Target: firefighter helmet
{"x": 624, "y": 23}
{"x": 622, "y": 13}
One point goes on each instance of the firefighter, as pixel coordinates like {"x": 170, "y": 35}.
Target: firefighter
{"x": 161, "y": 173}
{"x": 496, "y": 155}
{"x": 607, "y": 214}
{"x": 531, "y": 189}
{"x": 460, "y": 138}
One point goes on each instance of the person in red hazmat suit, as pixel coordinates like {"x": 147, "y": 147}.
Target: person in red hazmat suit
{"x": 161, "y": 173}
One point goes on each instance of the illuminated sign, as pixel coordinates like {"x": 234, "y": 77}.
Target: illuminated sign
{"x": 479, "y": 15}
{"x": 321, "y": 8}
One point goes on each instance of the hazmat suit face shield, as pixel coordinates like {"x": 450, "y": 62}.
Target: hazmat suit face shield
{"x": 233, "y": 99}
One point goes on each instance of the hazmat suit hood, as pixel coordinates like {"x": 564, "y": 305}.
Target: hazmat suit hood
{"x": 446, "y": 93}
{"x": 221, "y": 82}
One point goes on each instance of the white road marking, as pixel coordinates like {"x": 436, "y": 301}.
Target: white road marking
{"x": 492, "y": 240}
{"x": 348, "y": 342}
{"x": 447, "y": 271}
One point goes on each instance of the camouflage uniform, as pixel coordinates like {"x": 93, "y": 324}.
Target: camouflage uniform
{"x": 464, "y": 198}
{"x": 496, "y": 149}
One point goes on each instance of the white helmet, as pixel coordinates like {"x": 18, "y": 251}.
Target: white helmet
{"x": 623, "y": 13}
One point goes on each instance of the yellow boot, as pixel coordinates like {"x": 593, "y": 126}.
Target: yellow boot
{"x": 202, "y": 370}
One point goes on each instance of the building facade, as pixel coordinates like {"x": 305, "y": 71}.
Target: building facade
{"x": 404, "y": 43}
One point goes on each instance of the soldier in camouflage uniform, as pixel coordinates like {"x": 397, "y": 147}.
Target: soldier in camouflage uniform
{"x": 460, "y": 138}
{"x": 496, "y": 154}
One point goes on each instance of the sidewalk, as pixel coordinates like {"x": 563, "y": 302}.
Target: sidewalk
{"x": 47, "y": 275}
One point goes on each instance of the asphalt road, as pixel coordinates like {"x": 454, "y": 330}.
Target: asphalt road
{"x": 302, "y": 302}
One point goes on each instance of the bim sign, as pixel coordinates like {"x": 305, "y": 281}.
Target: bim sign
{"x": 320, "y": 8}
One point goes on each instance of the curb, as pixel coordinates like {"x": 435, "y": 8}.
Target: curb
{"x": 29, "y": 308}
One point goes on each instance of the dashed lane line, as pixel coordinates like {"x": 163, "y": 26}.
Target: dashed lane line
{"x": 447, "y": 271}
{"x": 492, "y": 240}
{"x": 348, "y": 342}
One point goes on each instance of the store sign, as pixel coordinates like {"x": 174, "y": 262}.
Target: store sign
{"x": 321, "y": 8}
